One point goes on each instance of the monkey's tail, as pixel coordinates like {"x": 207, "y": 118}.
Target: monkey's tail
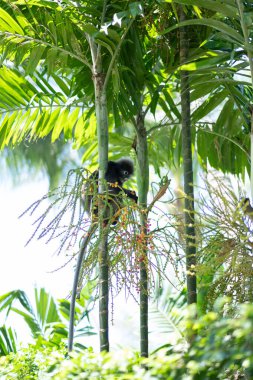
{"x": 84, "y": 245}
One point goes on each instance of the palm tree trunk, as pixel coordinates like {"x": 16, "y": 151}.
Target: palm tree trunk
{"x": 188, "y": 169}
{"x": 248, "y": 49}
{"x": 143, "y": 184}
{"x": 102, "y": 134}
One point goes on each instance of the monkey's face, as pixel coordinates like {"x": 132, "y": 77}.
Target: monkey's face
{"x": 124, "y": 175}
{"x": 125, "y": 169}
{"x": 119, "y": 171}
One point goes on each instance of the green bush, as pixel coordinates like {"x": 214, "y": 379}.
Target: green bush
{"x": 30, "y": 363}
{"x": 220, "y": 348}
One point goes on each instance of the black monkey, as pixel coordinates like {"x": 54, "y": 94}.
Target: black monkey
{"x": 116, "y": 174}
{"x": 247, "y": 208}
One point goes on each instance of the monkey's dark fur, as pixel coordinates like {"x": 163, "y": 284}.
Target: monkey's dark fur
{"x": 116, "y": 174}
{"x": 248, "y": 209}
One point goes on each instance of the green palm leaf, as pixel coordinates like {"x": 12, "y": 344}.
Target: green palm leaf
{"x": 31, "y": 108}
{"x": 164, "y": 311}
{"x": 8, "y": 340}
{"x": 36, "y": 318}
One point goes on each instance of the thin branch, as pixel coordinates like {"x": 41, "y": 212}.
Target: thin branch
{"x": 160, "y": 125}
{"x": 102, "y": 21}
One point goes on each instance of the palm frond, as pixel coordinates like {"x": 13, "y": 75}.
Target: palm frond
{"x": 8, "y": 340}
{"x": 167, "y": 311}
{"x": 32, "y": 107}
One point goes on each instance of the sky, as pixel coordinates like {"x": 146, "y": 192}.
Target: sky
{"x": 26, "y": 266}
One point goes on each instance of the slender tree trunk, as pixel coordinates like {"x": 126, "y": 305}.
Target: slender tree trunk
{"x": 248, "y": 48}
{"x": 251, "y": 152}
{"x": 102, "y": 134}
{"x": 188, "y": 169}
{"x": 143, "y": 184}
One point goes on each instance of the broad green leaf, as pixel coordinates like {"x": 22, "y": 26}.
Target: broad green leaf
{"x": 6, "y": 300}
{"x": 216, "y": 24}
{"x": 171, "y": 103}
{"x": 5, "y": 130}
{"x": 90, "y": 152}
{"x": 34, "y": 59}
{"x": 62, "y": 84}
{"x": 45, "y": 307}
{"x": 8, "y": 340}
{"x": 40, "y": 3}
{"x": 51, "y": 26}
{"x": 31, "y": 119}
{"x": 68, "y": 127}
{"x": 79, "y": 132}
{"x": 165, "y": 107}
{"x": 59, "y": 127}
{"x": 42, "y": 122}
{"x": 19, "y": 126}
{"x": 52, "y": 55}
{"x": 23, "y": 22}
{"x": 154, "y": 102}
{"x": 209, "y": 105}
{"x": 204, "y": 63}
{"x": 51, "y": 122}
{"x": 106, "y": 42}
{"x": 8, "y": 24}
{"x": 200, "y": 91}
{"x": 114, "y": 35}
{"x": 73, "y": 118}
{"x": 90, "y": 29}
{"x": 31, "y": 321}
{"x": 116, "y": 139}
{"x": 223, "y": 121}
{"x": 229, "y": 10}
{"x": 135, "y": 8}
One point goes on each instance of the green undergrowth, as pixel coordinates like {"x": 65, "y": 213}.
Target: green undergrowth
{"x": 220, "y": 347}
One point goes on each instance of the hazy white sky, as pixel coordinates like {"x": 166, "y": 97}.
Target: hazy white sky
{"x": 24, "y": 267}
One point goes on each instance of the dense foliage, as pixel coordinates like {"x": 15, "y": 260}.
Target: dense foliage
{"x": 220, "y": 348}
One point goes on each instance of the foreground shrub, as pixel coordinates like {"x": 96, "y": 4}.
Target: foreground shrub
{"x": 221, "y": 348}
{"x": 30, "y": 363}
